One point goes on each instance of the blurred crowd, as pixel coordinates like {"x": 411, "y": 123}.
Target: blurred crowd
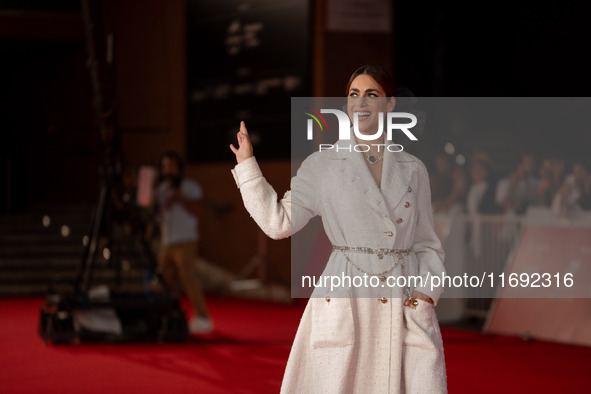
{"x": 560, "y": 184}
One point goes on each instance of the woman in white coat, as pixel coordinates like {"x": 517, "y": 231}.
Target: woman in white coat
{"x": 376, "y": 210}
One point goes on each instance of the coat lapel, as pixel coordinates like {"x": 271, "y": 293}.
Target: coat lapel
{"x": 396, "y": 176}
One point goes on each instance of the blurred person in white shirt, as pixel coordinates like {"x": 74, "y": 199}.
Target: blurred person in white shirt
{"x": 179, "y": 207}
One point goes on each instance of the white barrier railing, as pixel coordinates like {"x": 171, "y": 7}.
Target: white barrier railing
{"x": 475, "y": 244}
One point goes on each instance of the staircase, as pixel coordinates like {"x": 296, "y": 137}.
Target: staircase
{"x": 45, "y": 247}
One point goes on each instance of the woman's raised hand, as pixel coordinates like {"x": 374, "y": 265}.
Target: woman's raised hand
{"x": 244, "y": 150}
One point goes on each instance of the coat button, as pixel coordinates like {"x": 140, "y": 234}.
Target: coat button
{"x": 399, "y": 220}
{"x": 383, "y": 300}
{"x": 389, "y": 233}
{"x": 409, "y": 189}
{"x": 406, "y": 204}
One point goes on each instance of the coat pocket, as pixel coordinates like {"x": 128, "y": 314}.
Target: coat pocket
{"x": 332, "y": 321}
{"x": 422, "y": 329}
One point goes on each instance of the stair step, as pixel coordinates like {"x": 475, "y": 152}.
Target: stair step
{"x": 74, "y": 217}
{"x": 51, "y": 250}
{"x": 39, "y": 290}
{"x": 34, "y": 229}
{"x": 32, "y": 255}
{"x": 32, "y": 238}
{"x": 81, "y": 208}
{"x": 48, "y": 276}
{"x": 33, "y": 262}
{"x": 57, "y": 262}
{"x": 46, "y": 247}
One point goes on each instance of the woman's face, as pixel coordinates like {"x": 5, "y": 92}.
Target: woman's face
{"x": 367, "y": 98}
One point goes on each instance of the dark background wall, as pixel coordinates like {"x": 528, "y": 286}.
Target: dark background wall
{"x": 501, "y": 48}
{"x": 50, "y": 152}
{"x": 47, "y": 134}
{"x": 496, "y": 49}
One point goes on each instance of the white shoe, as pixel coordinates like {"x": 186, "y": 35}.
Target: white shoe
{"x": 200, "y": 325}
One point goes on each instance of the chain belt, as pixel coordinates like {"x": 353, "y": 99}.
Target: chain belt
{"x": 400, "y": 254}
{"x": 379, "y": 252}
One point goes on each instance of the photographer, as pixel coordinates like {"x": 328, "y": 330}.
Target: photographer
{"x": 178, "y": 200}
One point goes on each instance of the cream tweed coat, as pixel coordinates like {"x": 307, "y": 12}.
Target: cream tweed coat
{"x": 344, "y": 343}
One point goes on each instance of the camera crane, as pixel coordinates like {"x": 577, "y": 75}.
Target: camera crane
{"x": 144, "y": 315}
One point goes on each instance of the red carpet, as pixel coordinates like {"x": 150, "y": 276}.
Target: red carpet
{"x": 247, "y": 354}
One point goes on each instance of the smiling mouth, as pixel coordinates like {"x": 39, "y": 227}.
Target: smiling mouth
{"x": 363, "y": 115}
